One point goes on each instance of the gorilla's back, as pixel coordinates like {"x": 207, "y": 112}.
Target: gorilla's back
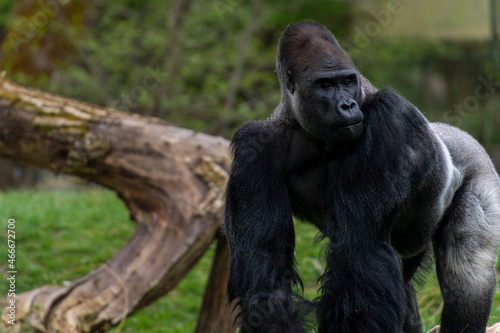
{"x": 467, "y": 154}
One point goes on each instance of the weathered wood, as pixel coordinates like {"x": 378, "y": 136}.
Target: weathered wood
{"x": 214, "y": 302}
{"x": 171, "y": 180}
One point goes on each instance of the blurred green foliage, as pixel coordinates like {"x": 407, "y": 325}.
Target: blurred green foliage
{"x": 136, "y": 57}
{"x": 6, "y": 7}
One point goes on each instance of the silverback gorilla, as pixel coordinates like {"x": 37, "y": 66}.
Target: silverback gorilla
{"x": 381, "y": 183}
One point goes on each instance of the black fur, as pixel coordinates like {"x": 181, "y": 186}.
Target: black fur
{"x": 378, "y": 180}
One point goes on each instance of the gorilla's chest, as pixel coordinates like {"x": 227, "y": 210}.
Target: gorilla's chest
{"x": 307, "y": 194}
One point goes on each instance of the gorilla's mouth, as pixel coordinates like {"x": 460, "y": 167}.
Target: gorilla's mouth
{"x": 353, "y": 127}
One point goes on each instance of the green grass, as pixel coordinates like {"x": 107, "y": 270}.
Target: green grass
{"x": 63, "y": 235}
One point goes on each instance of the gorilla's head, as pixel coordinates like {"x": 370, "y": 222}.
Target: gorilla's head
{"x": 320, "y": 84}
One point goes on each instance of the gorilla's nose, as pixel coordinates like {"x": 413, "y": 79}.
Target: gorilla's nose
{"x": 348, "y": 112}
{"x": 347, "y": 106}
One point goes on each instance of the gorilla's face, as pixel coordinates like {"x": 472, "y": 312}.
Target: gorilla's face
{"x": 326, "y": 103}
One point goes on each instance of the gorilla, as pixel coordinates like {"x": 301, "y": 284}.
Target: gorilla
{"x": 387, "y": 189}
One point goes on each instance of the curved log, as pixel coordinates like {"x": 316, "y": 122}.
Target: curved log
{"x": 171, "y": 180}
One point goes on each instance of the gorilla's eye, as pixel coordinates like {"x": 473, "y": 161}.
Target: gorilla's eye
{"x": 347, "y": 83}
{"x": 325, "y": 85}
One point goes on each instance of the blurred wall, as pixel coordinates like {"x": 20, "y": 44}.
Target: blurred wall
{"x": 464, "y": 19}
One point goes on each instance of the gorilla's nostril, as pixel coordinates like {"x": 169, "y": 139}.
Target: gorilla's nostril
{"x": 346, "y": 106}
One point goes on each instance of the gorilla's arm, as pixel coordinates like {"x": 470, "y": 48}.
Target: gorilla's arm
{"x": 258, "y": 223}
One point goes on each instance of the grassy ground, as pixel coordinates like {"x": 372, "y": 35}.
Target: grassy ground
{"x": 56, "y": 237}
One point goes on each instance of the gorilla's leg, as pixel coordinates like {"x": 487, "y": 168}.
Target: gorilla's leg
{"x": 465, "y": 248}
{"x": 412, "y": 322}
{"x": 362, "y": 290}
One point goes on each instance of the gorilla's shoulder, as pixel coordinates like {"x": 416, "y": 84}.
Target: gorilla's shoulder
{"x": 250, "y": 129}
{"x": 387, "y": 106}
{"x": 259, "y": 133}
{"x": 387, "y": 98}
{"x": 261, "y": 130}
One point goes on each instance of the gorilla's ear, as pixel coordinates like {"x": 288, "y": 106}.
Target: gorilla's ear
{"x": 361, "y": 87}
{"x": 290, "y": 83}
{"x": 367, "y": 88}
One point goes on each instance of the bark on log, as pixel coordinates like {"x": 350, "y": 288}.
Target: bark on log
{"x": 214, "y": 315}
{"x": 171, "y": 180}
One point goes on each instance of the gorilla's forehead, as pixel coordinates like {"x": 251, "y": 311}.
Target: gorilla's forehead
{"x": 334, "y": 65}
{"x": 331, "y": 67}
{"x": 324, "y": 56}
{"x": 329, "y": 72}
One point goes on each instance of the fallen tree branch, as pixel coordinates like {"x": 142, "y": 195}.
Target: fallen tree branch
{"x": 171, "y": 180}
